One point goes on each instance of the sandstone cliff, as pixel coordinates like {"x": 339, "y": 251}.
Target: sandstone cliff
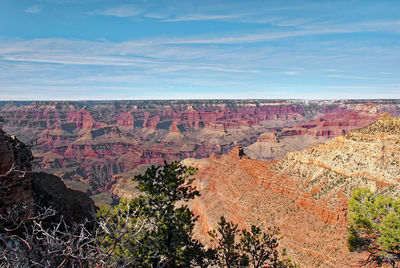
{"x": 305, "y": 194}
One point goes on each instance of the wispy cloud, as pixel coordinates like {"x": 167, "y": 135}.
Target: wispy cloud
{"x": 122, "y": 11}
{"x": 203, "y": 17}
{"x": 291, "y": 73}
{"x": 222, "y": 69}
{"x": 257, "y": 13}
{"x": 77, "y": 59}
{"x": 350, "y": 76}
{"x": 155, "y": 16}
{"x": 65, "y": 1}
{"x": 162, "y": 56}
{"x": 383, "y": 26}
{"x": 33, "y": 9}
{"x": 165, "y": 63}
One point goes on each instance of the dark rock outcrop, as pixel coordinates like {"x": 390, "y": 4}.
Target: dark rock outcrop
{"x": 19, "y": 185}
{"x": 15, "y": 164}
{"x": 50, "y": 191}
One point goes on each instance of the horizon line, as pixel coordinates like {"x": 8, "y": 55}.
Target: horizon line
{"x": 204, "y": 99}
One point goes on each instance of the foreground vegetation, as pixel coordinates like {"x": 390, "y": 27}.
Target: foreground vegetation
{"x": 152, "y": 230}
{"x": 375, "y": 227}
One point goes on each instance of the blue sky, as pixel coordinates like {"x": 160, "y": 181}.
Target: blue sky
{"x": 166, "y": 49}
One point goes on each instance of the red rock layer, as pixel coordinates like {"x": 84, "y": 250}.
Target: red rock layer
{"x": 305, "y": 194}
{"x": 249, "y": 192}
{"x": 337, "y": 122}
{"x": 94, "y": 141}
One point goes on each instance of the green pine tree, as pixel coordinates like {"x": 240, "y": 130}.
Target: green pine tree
{"x": 374, "y": 226}
{"x": 161, "y": 223}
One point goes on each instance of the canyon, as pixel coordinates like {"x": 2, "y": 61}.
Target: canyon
{"x": 305, "y": 193}
{"x": 97, "y": 146}
{"x": 290, "y": 164}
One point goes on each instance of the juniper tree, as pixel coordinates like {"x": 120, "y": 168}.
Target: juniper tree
{"x": 242, "y": 248}
{"x": 227, "y": 245}
{"x": 374, "y": 226}
{"x": 261, "y": 247}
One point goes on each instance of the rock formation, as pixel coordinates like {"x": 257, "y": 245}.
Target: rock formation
{"x": 19, "y": 185}
{"x": 51, "y": 191}
{"x": 103, "y": 144}
{"x": 15, "y": 166}
{"x": 337, "y": 122}
{"x": 96, "y": 142}
{"x": 267, "y": 147}
{"x": 305, "y": 194}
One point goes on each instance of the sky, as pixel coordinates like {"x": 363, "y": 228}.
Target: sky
{"x": 207, "y": 49}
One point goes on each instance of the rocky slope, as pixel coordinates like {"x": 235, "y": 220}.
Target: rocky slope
{"x": 305, "y": 194}
{"x": 93, "y": 144}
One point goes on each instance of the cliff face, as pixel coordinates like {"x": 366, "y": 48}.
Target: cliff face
{"x": 367, "y": 157}
{"x": 15, "y": 165}
{"x": 51, "y": 191}
{"x": 96, "y": 143}
{"x": 19, "y": 185}
{"x": 335, "y": 123}
{"x": 305, "y": 194}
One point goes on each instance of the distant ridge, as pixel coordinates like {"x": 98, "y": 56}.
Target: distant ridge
{"x": 386, "y": 124}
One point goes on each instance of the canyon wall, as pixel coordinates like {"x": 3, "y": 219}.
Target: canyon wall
{"x": 305, "y": 194}
{"x": 92, "y": 145}
{"x": 98, "y": 147}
